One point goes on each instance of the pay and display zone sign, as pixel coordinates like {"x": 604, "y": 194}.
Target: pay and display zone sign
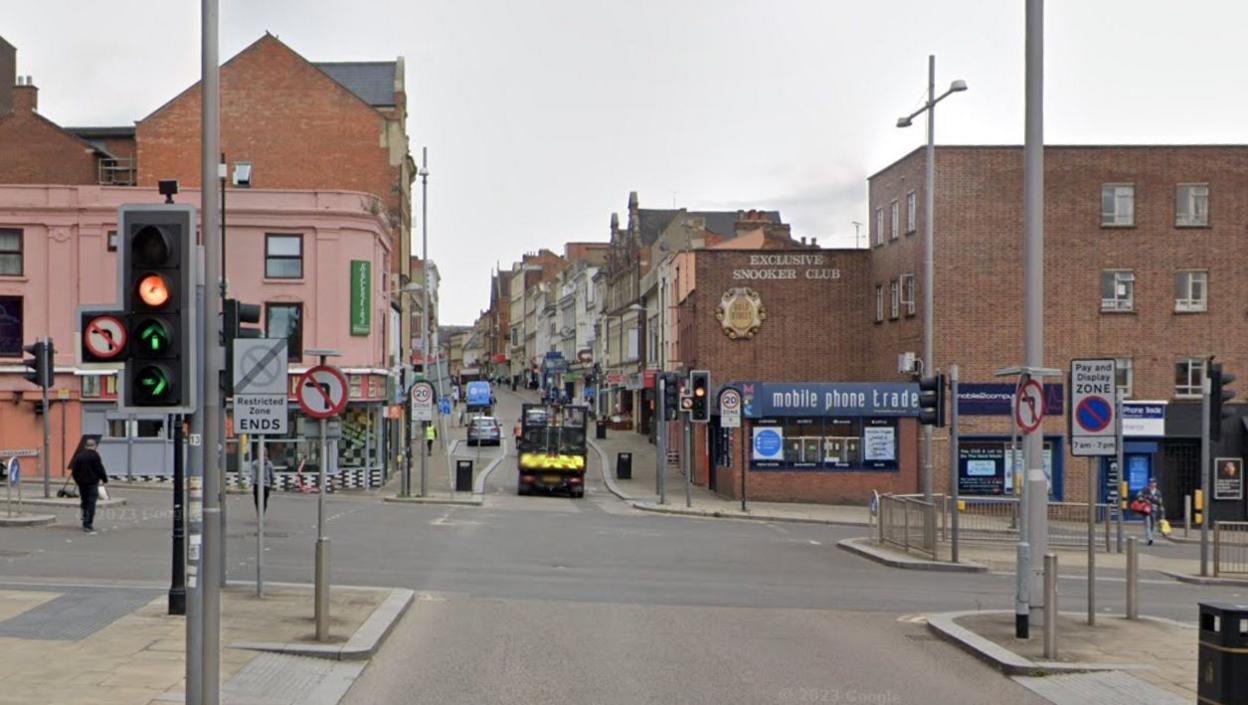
{"x": 1092, "y": 426}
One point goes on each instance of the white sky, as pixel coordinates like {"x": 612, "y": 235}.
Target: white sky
{"x": 541, "y": 116}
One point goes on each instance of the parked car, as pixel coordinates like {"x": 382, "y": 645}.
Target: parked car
{"x": 484, "y": 430}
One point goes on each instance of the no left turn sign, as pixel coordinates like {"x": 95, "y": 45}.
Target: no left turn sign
{"x": 322, "y": 392}
{"x": 105, "y": 337}
{"x": 1029, "y": 406}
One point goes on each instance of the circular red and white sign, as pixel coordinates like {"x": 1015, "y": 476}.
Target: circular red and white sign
{"x": 105, "y": 337}
{"x": 1029, "y": 406}
{"x": 730, "y": 399}
{"x": 422, "y": 393}
{"x": 322, "y": 392}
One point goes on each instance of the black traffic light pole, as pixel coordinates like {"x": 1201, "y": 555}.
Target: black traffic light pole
{"x": 177, "y": 585}
{"x": 1214, "y": 397}
{"x": 48, "y": 373}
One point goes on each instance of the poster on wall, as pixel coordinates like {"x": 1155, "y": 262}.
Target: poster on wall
{"x": 981, "y": 468}
{"x": 768, "y": 446}
{"x": 1228, "y": 478}
{"x": 879, "y": 444}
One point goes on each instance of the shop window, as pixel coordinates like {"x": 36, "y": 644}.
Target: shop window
{"x": 10, "y": 326}
{"x": 825, "y": 444}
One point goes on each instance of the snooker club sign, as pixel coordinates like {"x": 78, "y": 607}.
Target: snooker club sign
{"x": 785, "y": 267}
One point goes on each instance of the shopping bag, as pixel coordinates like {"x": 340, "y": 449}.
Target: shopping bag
{"x": 1141, "y": 506}
{"x": 103, "y": 493}
{"x": 1164, "y": 525}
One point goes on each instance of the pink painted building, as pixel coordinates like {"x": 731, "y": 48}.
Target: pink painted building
{"x": 297, "y": 253}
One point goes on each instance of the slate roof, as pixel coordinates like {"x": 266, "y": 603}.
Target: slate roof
{"x": 372, "y": 81}
{"x": 654, "y": 221}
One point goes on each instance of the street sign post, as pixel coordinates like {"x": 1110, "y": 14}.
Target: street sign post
{"x": 260, "y": 401}
{"x": 322, "y": 392}
{"x": 14, "y": 472}
{"x": 729, "y": 408}
{"x": 1029, "y": 406}
{"x": 422, "y": 401}
{"x": 1091, "y": 412}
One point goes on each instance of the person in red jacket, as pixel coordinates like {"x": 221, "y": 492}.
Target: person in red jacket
{"x": 88, "y": 471}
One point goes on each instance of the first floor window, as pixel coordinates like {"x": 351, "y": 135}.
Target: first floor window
{"x": 1191, "y": 206}
{"x": 1189, "y": 376}
{"x": 907, "y": 293}
{"x": 879, "y": 226}
{"x": 1191, "y": 290}
{"x": 286, "y": 321}
{"x": 11, "y": 252}
{"x": 895, "y": 223}
{"x": 894, "y": 290}
{"x": 1117, "y": 290}
{"x": 1118, "y": 205}
{"x": 879, "y": 303}
{"x": 1125, "y": 376}
{"x": 912, "y": 207}
{"x": 10, "y": 326}
{"x": 283, "y": 256}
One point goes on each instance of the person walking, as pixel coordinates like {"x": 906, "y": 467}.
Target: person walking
{"x": 431, "y": 433}
{"x": 1150, "y": 500}
{"x": 87, "y": 469}
{"x": 270, "y": 478}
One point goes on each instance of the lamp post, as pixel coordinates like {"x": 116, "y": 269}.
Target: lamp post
{"x": 405, "y": 480}
{"x": 424, "y": 297}
{"x": 929, "y": 267}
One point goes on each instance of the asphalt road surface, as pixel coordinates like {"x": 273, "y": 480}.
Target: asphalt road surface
{"x": 548, "y": 599}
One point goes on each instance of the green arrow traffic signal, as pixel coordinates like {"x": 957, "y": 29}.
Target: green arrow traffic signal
{"x": 154, "y": 336}
{"x": 153, "y": 382}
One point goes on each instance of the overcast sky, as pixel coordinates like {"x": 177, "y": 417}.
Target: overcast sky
{"x": 541, "y": 116}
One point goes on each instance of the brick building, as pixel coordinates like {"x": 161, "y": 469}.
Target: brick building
{"x": 1142, "y": 250}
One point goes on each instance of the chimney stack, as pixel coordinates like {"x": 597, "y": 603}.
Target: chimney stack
{"x": 25, "y": 95}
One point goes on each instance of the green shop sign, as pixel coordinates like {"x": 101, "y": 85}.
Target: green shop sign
{"x": 361, "y": 296}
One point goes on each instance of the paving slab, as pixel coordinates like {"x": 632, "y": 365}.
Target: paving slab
{"x": 1110, "y": 688}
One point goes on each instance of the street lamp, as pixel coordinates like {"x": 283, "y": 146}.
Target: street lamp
{"x": 405, "y": 480}
{"x": 929, "y": 267}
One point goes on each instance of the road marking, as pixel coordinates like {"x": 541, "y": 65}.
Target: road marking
{"x": 913, "y": 618}
{"x": 815, "y": 543}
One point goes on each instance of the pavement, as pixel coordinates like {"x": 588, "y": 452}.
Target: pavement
{"x": 451, "y": 446}
{"x": 100, "y": 643}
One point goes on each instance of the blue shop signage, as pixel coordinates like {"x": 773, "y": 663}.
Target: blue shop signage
{"x": 843, "y": 399}
{"x": 995, "y": 399}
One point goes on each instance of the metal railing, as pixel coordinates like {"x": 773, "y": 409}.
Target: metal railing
{"x": 117, "y": 171}
{"x": 1230, "y": 547}
{"x": 910, "y": 524}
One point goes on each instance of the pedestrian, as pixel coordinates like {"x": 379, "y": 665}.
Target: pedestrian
{"x": 455, "y": 395}
{"x": 87, "y": 469}
{"x": 1149, "y": 499}
{"x": 430, "y": 434}
{"x": 269, "y": 480}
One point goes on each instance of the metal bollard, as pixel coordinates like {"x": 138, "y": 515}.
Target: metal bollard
{"x": 1050, "y": 606}
{"x": 1133, "y": 578}
{"x": 1022, "y": 596}
{"x": 1187, "y": 516}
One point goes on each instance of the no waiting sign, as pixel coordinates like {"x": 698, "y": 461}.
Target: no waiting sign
{"x": 1092, "y": 423}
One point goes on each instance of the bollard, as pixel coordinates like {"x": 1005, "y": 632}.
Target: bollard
{"x": 1050, "y": 606}
{"x": 1022, "y": 595}
{"x": 1133, "y": 577}
{"x": 1187, "y": 515}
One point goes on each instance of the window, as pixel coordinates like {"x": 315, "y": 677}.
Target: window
{"x": 1126, "y": 377}
{"x": 91, "y": 387}
{"x": 11, "y": 326}
{"x": 1117, "y": 290}
{"x": 879, "y": 304}
{"x": 11, "y": 253}
{"x": 894, "y": 291}
{"x": 286, "y": 321}
{"x": 895, "y": 223}
{"x": 1191, "y": 206}
{"x": 116, "y": 428}
{"x": 283, "y": 256}
{"x": 1117, "y": 205}
{"x": 1191, "y": 290}
{"x": 879, "y": 226}
{"x": 112, "y": 240}
{"x": 912, "y": 208}
{"x": 1189, "y": 376}
{"x": 907, "y": 293}
{"x": 149, "y": 428}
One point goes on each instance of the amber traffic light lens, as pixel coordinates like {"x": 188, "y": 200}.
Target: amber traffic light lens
{"x": 699, "y": 391}
{"x": 154, "y": 290}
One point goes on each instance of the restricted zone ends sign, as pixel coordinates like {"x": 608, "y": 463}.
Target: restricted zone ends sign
{"x": 1092, "y": 422}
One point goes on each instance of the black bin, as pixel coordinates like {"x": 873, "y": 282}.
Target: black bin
{"x": 1222, "y": 662}
{"x": 463, "y": 475}
{"x": 600, "y": 429}
{"x": 624, "y": 466}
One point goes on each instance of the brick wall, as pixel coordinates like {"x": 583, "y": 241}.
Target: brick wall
{"x": 37, "y": 151}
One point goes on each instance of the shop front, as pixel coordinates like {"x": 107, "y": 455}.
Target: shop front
{"x": 990, "y": 464}
{"x": 821, "y": 442}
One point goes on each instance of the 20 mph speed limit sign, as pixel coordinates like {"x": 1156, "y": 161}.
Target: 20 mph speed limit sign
{"x": 1092, "y": 421}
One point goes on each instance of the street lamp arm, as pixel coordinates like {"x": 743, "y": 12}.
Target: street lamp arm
{"x": 956, "y": 87}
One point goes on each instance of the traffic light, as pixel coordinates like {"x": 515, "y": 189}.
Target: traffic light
{"x": 1219, "y": 394}
{"x": 932, "y": 400}
{"x": 671, "y": 396}
{"x": 237, "y": 319}
{"x": 39, "y": 367}
{"x": 158, "y": 266}
{"x": 700, "y": 391}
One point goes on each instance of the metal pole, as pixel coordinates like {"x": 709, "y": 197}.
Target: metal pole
{"x": 745, "y": 459}
{"x": 177, "y": 583}
{"x": 1033, "y": 275}
{"x": 1206, "y": 505}
{"x": 46, "y": 460}
{"x": 1133, "y": 578}
{"x": 955, "y": 509}
{"x": 64, "y": 455}
{"x": 1050, "y": 606}
{"x": 262, "y": 488}
{"x": 210, "y": 414}
{"x": 424, "y": 293}
{"x": 1116, "y": 476}
{"x": 692, "y": 464}
{"x": 225, "y": 445}
{"x": 1022, "y": 597}
{"x": 195, "y": 528}
{"x": 1187, "y": 516}
{"x": 1092, "y": 476}
{"x": 660, "y": 457}
{"x": 322, "y": 547}
{"x": 405, "y": 433}
{"x": 929, "y": 277}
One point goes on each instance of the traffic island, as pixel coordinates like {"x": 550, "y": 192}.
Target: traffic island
{"x": 1159, "y": 653}
{"x": 27, "y": 519}
{"x": 1192, "y": 579}
{"x": 72, "y": 502}
{"x": 868, "y": 548}
{"x": 465, "y": 499}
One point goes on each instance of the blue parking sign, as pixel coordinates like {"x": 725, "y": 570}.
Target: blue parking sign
{"x": 15, "y": 472}
{"x": 444, "y": 406}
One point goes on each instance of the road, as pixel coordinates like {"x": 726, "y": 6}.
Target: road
{"x": 549, "y": 599}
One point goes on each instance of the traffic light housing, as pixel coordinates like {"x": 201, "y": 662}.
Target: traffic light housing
{"x": 157, "y": 266}
{"x": 238, "y": 318}
{"x": 39, "y": 368}
{"x": 1219, "y": 394}
{"x": 932, "y": 400}
{"x": 700, "y": 392}
{"x": 671, "y": 396}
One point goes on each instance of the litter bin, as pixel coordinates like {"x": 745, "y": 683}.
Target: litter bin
{"x": 463, "y": 475}
{"x": 600, "y": 429}
{"x": 1222, "y": 663}
{"x": 624, "y": 466}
